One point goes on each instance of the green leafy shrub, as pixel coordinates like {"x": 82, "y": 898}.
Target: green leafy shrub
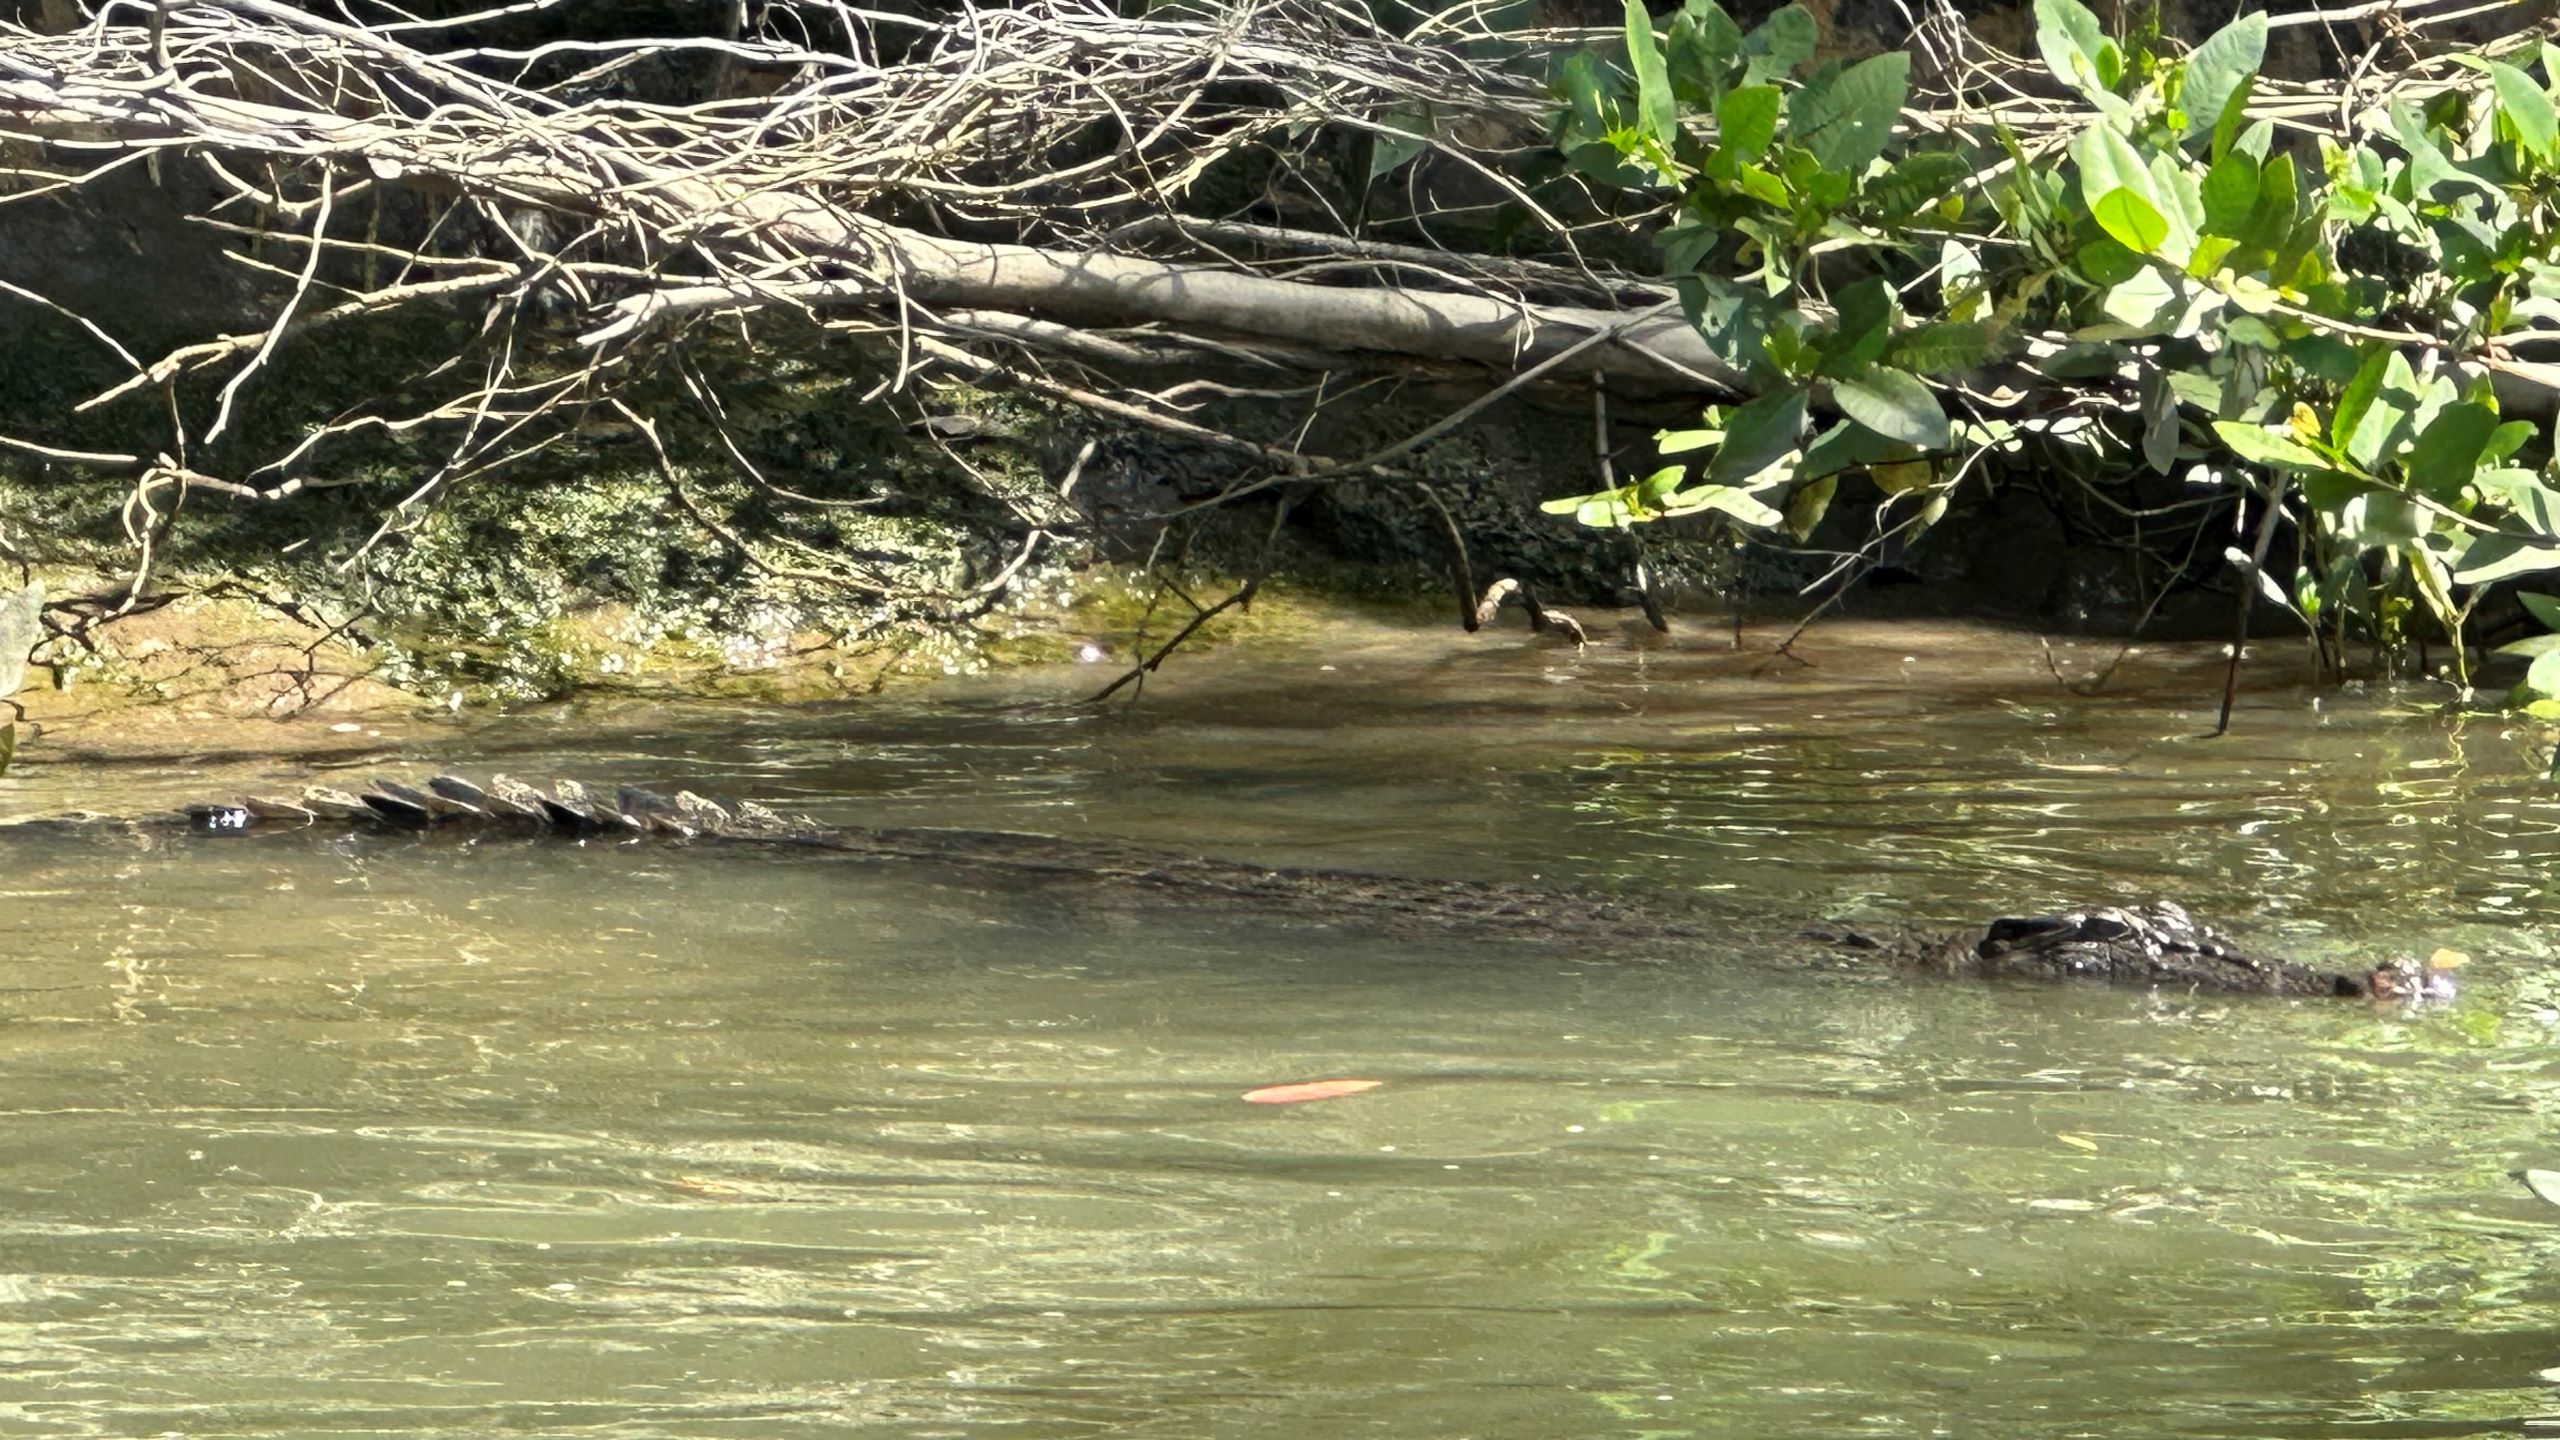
{"x": 2315, "y": 322}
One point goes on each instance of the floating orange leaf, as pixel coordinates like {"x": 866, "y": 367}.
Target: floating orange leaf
{"x": 1308, "y": 1090}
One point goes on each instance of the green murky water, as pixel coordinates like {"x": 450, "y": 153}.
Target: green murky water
{"x": 333, "y": 1138}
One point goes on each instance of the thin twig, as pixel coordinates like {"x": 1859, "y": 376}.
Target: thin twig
{"x": 2248, "y": 597}
{"x": 1460, "y": 571}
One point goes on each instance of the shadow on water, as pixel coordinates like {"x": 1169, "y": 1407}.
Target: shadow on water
{"x": 330, "y": 1136}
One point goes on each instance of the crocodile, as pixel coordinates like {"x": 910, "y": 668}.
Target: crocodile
{"x": 2155, "y": 943}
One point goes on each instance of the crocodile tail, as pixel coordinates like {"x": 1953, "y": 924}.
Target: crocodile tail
{"x": 444, "y": 799}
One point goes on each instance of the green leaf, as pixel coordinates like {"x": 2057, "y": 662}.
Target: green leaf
{"x": 2256, "y": 140}
{"x": 2134, "y": 222}
{"x": 2357, "y": 400}
{"x": 2108, "y": 162}
{"x": 1866, "y": 323}
{"x": 2328, "y": 359}
{"x": 2528, "y": 108}
{"x": 2249, "y": 330}
{"x": 1809, "y": 504}
{"x": 2544, "y": 608}
{"x": 1687, "y": 243}
{"x": 2435, "y": 583}
{"x": 1732, "y": 500}
{"x": 1918, "y": 181}
{"x": 1785, "y": 349}
{"x": 2259, "y": 445}
{"x": 2070, "y": 39}
{"x": 2218, "y": 67}
{"x": 1849, "y": 444}
{"x": 1764, "y": 187}
{"x": 1652, "y": 488}
{"x": 2256, "y": 297}
{"x": 2160, "y": 428}
{"x": 1407, "y": 134}
{"x": 1731, "y": 317}
{"x": 1893, "y": 404}
{"x": 1757, "y": 434}
{"x": 2104, "y": 261}
{"x": 1780, "y": 46}
{"x": 1746, "y": 121}
{"x": 2532, "y": 646}
{"x": 2083, "y": 360}
{"x": 2204, "y": 392}
{"x": 1657, "y": 113}
{"x": 1844, "y": 121}
{"x": 2230, "y": 195}
{"x": 2448, "y": 450}
{"x": 2495, "y": 557}
{"x": 2145, "y": 302}
{"x": 2427, "y": 166}
{"x": 2535, "y": 504}
{"x": 2328, "y": 491}
{"x": 2181, "y": 202}
{"x": 2506, "y": 440}
{"x": 1584, "y": 88}
{"x": 2235, "y": 115}
{"x": 2279, "y": 190}
{"x": 1701, "y": 51}
{"x": 1605, "y": 511}
{"x": 2377, "y": 431}
{"x": 2380, "y": 517}
{"x": 1941, "y": 347}
{"x": 2542, "y": 677}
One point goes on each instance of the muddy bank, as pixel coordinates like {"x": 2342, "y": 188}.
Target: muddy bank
{"x": 221, "y": 688}
{"x": 209, "y": 675}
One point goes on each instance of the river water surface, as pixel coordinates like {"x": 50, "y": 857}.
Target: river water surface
{"x": 318, "y": 1136}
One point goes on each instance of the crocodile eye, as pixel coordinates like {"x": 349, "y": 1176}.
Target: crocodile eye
{"x": 221, "y": 819}
{"x": 2023, "y": 930}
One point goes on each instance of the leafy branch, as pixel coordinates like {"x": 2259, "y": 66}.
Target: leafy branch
{"x": 2319, "y": 309}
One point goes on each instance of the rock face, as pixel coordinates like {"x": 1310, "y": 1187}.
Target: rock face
{"x": 2154, "y": 944}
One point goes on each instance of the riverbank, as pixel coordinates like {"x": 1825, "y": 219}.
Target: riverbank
{"x": 219, "y": 672}
{"x": 211, "y": 675}
{"x": 213, "y": 706}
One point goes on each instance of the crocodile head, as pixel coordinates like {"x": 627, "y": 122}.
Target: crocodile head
{"x": 2411, "y": 979}
{"x": 2158, "y": 942}
{"x": 2149, "y": 941}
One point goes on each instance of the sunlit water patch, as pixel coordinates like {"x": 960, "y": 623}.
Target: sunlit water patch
{"x": 314, "y": 1136}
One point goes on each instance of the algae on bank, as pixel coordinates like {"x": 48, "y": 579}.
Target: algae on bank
{"x": 21, "y": 621}
{"x": 20, "y": 627}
